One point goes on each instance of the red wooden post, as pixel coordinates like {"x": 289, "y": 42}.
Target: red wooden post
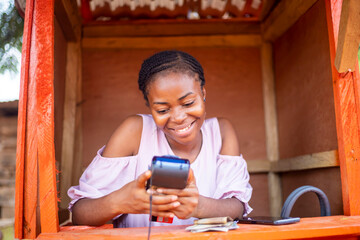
{"x": 35, "y": 157}
{"x": 346, "y": 89}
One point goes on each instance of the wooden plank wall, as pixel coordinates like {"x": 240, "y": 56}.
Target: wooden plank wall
{"x": 59, "y": 89}
{"x": 69, "y": 78}
{"x": 305, "y": 107}
{"x": 8, "y": 129}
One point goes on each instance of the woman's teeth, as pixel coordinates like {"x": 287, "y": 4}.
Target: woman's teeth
{"x": 184, "y": 129}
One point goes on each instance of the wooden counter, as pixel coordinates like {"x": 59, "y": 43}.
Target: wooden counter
{"x": 338, "y": 227}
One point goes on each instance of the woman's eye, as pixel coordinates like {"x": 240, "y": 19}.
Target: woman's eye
{"x": 162, "y": 111}
{"x": 189, "y": 103}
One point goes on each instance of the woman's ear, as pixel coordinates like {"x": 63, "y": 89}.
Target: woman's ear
{"x": 203, "y": 90}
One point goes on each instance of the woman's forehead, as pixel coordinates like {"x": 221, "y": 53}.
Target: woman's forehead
{"x": 174, "y": 86}
{"x": 174, "y": 80}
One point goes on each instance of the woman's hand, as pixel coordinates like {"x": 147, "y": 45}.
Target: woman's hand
{"x": 133, "y": 198}
{"x": 187, "y": 197}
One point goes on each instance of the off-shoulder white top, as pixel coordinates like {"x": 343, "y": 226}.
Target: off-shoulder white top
{"x": 217, "y": 176}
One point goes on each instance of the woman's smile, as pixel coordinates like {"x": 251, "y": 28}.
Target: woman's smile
{"x": 183, "y": 131}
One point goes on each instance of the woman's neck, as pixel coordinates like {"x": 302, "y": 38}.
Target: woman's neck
{"x": 188, "y": 151}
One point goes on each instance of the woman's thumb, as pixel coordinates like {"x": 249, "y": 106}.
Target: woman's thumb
{"x": 141, "y": 180}
{"x": 191, "y": 177}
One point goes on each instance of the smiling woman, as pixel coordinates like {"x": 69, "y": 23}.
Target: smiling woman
{"x": 172, "y": 83}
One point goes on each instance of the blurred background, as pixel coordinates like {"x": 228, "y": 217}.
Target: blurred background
{"x": 11, "y": 28}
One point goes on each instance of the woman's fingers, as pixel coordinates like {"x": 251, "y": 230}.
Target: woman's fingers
{"x": 141, "y": 180}
{"x": 187, "y": 197}
{"x": 169, "y": 202}
{"x": 163, "y": 199}
{"x": 165, "y": 207}
{"x": 191, "y": 178}
{"x": 186, "y": 192}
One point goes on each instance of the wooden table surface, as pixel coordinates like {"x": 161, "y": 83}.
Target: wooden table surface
{"x": 339, "y": 227}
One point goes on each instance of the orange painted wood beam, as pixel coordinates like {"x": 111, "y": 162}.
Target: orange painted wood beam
{"x": 22, "y": 120}
{"x": 334, "y": 227}
{"x": 44, "y": 80}
{"x": 35, "y": 166}
{"x": 347, "y": 109}
{"x": 349, "y": 36}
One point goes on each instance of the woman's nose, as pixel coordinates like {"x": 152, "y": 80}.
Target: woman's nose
{"x": 178, "y": 115}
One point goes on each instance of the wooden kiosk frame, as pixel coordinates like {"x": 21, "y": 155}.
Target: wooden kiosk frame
{"x": 36, "y": 203}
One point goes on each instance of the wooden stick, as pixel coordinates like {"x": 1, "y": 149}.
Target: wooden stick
{"x": 171, "y": 27}
{"x": 36, "y": 133}
{"x": 304, "y": 162}
{"x": 283, "y": 17}
{"x": 44, "y": 80}
{"x": 349, "y": 36}
{"x": 347, "y": 118}
{"x": 309, "y": 161}
{"x": 173, "y": 42}
{"x": 67, "y": 14}
{"x": 77, "y": 163}
{"x": 31, "y": 163}
{"x": 21, "y": 130}
{"x": 271, "y": 130}
{"x": 67, "y": 156}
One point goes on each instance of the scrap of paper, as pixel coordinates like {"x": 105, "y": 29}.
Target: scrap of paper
{"x": 221, "y": 224}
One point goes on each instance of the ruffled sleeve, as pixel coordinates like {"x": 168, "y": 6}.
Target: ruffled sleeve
{"x": 103, "y": 176}
{"x": 232, "y": 180}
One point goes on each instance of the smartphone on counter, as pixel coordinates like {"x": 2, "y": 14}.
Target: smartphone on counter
{"x": 268, "y": 220}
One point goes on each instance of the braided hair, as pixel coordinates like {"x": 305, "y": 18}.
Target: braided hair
{"x": 176, "y": 61}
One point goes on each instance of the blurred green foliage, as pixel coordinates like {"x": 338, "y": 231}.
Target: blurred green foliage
{"x": 8, "y": 232}
{"x": 11, "y": 30}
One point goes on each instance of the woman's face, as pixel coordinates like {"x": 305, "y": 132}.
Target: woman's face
{"x": 176, "y": 101}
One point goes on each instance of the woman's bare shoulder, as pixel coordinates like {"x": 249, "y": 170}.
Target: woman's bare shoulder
{"x": 230, "y": 143}
{"x": 125, "y": 140}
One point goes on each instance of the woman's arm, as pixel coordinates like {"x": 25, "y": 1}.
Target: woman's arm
{"x": 125, "y": 141}
{"x": 209, "y": 207}
{"x": 131, "y": 198}
{"x": 230, "y": 143}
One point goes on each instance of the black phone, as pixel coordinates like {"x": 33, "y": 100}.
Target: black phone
{"x": 169, "y": 172}
{"x": 268, "y": 220}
